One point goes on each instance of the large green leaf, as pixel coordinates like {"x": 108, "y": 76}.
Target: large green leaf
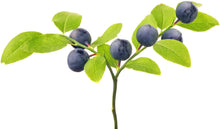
{"x": 66, "y": 21}
{"x": 174, "y": 51}
{"x": 108, "y": 35}
{"x": 95, "y": 68}
{"x": 48, "y": 43}
{"x": 144, "y": 64}
{"x": 16, "y": 48}
{"x": 149, "y": 19}
{"x": 164, "y": 15}
{"x": 203, "y": 22}
{"x": 104, "y": 50}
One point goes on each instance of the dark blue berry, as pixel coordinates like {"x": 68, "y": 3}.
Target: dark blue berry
{"x": 120, "y": 49}
{"x": 172, "y": 34}
{"x": 147, "y": 35}
{"x": 186, "y": 12}
{"x": 82, "y": 36}
{"x": 77, "y": 58}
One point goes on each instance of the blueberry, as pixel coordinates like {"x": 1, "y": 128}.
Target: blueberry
{"x": 120, "y": 49}
{"x": 172, "y": 34}
{"x": 77, "y": 58}
{"x": 147, "y": 35}
{"x": 186, "y": 12}
{"x": 81, "y": 35}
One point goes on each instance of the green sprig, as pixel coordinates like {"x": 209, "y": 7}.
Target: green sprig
{"x": 162, "y": 17}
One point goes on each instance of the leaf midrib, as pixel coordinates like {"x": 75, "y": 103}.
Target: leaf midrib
{"x": 17, "y": 48}
{"x": 162, "y": 19}
{"x": 182, "y": 59}
{"x": 64, "y": 29}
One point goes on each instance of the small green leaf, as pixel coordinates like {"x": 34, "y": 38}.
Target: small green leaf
{"x": 66, "y": 21}
{"x": 15, "y": 50}
{"x": 104, "y": 50}
{"x": 95, "y": 68}
{"x": 144, "y": 64}
{"x": 197, "y": 4}
{"x": 203, "y": 22}
{"x": 174, "y": 51}
{"x": 149, "y": 19}
{"x": 164, "y": 15}
{"x": 48, "y": 43}
{"x": 108, "y": 35}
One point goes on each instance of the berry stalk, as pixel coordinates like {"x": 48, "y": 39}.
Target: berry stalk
{"x": 92, "y": 55}
{"x": 176, "y": 22}
{"x": 139, "y": 48}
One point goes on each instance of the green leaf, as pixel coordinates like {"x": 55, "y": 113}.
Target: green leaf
{"x": 104, "y": 50}
{"x": 203, "y": 22}
{"x": 66, "y": 21}
{"x": 48, "y": 43}
{"x": 144, "y": 64}
{"x": 95, "y": 68}
{"x": 108, "y": 35}
{"x": 15, "y": 50}
{"x": 174, "y": 51}
{"x": 197, "y": 4}
{"x": 164, "y": 15}
{"x": 149, "y": 19}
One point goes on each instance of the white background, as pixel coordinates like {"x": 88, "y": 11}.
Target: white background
{"x": 40, "y": 92}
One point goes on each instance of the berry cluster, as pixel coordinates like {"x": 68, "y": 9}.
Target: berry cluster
{"x": 121, "y": 49}
{"x": 163, "y": 17}
{"x": 78, "y": 57}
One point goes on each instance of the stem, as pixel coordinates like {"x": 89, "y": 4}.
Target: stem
{"x": 113, "y": 103}
{"x": 124, "y": 65}
{"x": 165, "y": 30}
{"x": 113, "y": 95}
{"x": 75, "y": 43}
{"x": 139, "y": 50}
{"x": 110, "y": 70}
{"x": 161, "y": 33}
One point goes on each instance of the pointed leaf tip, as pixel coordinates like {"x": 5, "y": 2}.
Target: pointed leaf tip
{"x": 203, "y": 22}
{"x": 17, "y": 48}
{"x": 108, "y": 35}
